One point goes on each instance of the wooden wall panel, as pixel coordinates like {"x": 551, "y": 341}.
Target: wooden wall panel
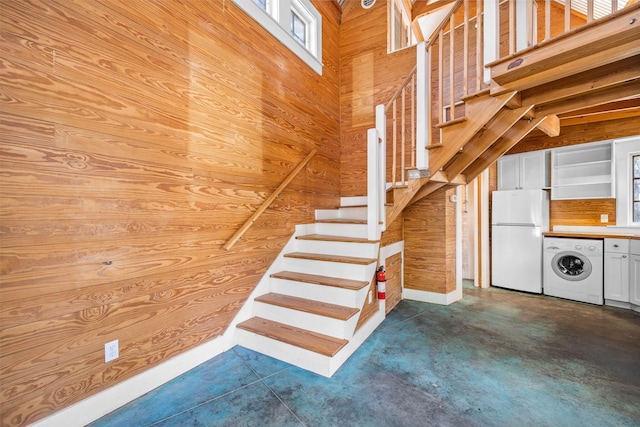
{"x": 393, "y": 269}
{"x": 136, "y": 138}
{"x": 368, "y": 76}
{"x": 582, "y": 213}
{"x": 429, "y": 230}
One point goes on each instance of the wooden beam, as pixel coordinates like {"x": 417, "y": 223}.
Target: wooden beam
{"x": 424, "y": 8}
{"x": 586, "y": 119}
{"x": 503, "y": 121}
{"x": 623, "y": 91}
{"x": 510, "y": 138}
{"x": 600, "y": 43}
{"x": 592, "y": 80}
{"x": 550, "y": 125}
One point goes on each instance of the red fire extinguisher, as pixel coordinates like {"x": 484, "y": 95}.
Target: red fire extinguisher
{"x": 382, "y": 282}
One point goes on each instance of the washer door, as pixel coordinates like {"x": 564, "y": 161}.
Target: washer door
{"x": 571, "y": 266}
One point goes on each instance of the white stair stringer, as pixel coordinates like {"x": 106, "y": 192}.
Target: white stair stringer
{"x": 328, "y": 263}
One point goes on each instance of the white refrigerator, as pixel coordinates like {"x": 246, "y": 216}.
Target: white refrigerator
{"x": 518, "y": 219}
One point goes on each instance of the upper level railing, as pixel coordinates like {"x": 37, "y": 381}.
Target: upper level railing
{"x": 452, "y": 67}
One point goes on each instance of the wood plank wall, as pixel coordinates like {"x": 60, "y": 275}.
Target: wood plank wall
{"x": 369, "y": 76}
{"x": 430, "y": 244}
{"x": 136, "y": 138}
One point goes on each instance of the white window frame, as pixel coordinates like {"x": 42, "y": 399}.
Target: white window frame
{"x": 406, "y": 22}
{"x": 278, "y": 22}
{"x": 624, "y": 150}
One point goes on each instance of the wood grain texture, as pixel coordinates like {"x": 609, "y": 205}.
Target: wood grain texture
{"x": 393, "y": 269}
{"x": 429, "y": 255}
{"x": 369, "y": 76}
{"x": 136, "y": 138}
{"x": 583, "y": 213}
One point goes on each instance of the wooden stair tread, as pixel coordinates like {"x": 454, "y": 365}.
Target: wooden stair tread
{"x": 327, "y": 237}
{"x": 342, "y": 221}
{"x": 312, "y": 341}
{"x": 316, "y": 279}
{"x": 331, "y": 258}
{"x": 333, "y": 311}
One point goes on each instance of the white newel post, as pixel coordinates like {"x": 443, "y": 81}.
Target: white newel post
{"x": 372, "y": 184}
{"x": 381, "y": 127}
{"x": 422, "y": 107}
{"x": 491, "y": 35}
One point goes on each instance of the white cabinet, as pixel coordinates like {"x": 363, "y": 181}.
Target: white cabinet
{"x": 634, "y": 275}
{"x": 525, "y": 171}
{"x": 616, "y": 271}
{"x": 582, "y": 171}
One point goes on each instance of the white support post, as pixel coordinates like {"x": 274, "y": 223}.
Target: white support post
{"x": 422, "y": 107}
{"x": 372, "y": 185}
{"x": 491, "y": 35}
{"x": 381, "y": 128}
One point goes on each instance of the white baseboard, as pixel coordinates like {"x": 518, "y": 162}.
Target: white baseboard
{"x": 432, "y": 297}
{"x": 99, "y": 405}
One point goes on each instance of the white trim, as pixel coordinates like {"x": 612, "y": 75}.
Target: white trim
{"x": 623, "y": 150}
{"x": 96, "y": 406}
{"x": 432, "y": 297}
{"x": 280, "y": 28}
{"x": 491, "y": 30}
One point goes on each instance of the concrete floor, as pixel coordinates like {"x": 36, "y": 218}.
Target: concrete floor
{"x": 496, "y": 358}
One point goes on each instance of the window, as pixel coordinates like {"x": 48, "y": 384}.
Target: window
{"x": 400, "y": 35}
{"x": 298, "y": 29}
{"x": 636, "y": 188}
{"x": 295, "y": 23}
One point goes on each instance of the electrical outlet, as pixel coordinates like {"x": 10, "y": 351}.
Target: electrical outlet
{"x": 370, "y": 297}
{"x": 604, "y": 218}
{"x": 111, "y": 351}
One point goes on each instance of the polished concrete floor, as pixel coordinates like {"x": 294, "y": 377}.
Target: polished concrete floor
{"x": 496, "y": 358}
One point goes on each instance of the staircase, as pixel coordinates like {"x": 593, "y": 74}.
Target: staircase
{"x": 309, "y": 314}
{"x": 308, "y": 309}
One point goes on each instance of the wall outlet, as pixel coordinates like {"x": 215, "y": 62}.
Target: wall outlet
{"x": 111, "y": 351}
{"x": 604, "y": 218}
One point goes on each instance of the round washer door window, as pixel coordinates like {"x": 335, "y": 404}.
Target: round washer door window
{"x": 571, "y": 266}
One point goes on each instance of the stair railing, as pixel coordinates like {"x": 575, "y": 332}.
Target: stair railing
{"x": 249, "y": 222}
{"x": 453, "y": 66}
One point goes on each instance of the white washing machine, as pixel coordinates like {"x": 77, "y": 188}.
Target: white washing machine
{"x": 574, "y": 269}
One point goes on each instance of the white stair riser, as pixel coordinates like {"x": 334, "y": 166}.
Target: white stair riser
{"x": 364, "y": 250}
{"x": 328, "y": 294}
{"x": 357, "y": 212}
{"x": 353, "y": 201}
{"x": 328, "y": 268}
{"x": 309, "y": 321}
{"x": 346, "y": 230}
{"x": 296, "y": 356}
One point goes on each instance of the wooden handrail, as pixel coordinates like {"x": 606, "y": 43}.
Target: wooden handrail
{"x": 248, "y": 223}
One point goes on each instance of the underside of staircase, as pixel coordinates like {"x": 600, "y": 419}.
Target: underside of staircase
{"x": 309, "y": 314}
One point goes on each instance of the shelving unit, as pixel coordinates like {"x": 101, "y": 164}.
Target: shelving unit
{"x": 583, "y": 172}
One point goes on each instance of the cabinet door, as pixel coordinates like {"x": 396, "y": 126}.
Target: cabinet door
{"x": 634, "y": 273}
{"x": 533, "y": 170}
{"x": 509, "y": 172}
{"x": 616, "y": 277}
